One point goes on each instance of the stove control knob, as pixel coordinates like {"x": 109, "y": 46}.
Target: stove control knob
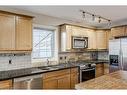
{"x": 89, "y": 65}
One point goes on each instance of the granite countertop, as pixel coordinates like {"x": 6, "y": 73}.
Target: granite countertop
{"x": 115, "y": 80}
{"x": 10, "y": 74}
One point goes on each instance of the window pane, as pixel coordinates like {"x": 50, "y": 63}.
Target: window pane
{"x": 43, "y": 43}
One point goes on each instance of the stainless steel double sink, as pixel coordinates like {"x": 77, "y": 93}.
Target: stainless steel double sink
{"x": 50, "y": 67}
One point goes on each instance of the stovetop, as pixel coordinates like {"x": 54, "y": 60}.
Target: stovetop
{"x": 84, "y": 65}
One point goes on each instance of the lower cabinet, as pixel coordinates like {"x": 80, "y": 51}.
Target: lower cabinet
{"x": 101, "y": 69}
{"x": 62, "y": 79}
{"x": 6, "y": 84}
{"x": 50, "y": 83}
{"x": 74, "y": 77}
{"x": 64, "y": 82}
{"x": 106, "y": 68}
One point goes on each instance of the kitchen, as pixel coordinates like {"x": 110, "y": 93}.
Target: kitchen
{"x": 40, "y": 51}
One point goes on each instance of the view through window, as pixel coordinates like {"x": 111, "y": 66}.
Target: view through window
{"x": 43, "y": 43}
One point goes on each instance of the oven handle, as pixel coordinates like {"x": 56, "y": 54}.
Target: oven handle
{"x": 88, "y": 69}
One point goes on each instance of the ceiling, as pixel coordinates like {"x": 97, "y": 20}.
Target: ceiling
{"x": 117, "y": 14}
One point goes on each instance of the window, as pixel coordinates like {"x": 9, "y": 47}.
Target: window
{"x": 43, "y": 43}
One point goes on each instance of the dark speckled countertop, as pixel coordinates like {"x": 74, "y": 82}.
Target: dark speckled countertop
{"x": 10, "y": 74}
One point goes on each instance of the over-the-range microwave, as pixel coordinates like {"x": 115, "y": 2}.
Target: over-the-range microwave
{"x": 79, "y": 42}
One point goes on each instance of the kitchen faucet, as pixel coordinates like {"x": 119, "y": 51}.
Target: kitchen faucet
{"x": 48, "y": 63}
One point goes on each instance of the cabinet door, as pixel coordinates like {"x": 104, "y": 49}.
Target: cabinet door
{"x": 7, "y": 32}
{"x": 78, "y": 31}
{"x": 106, "y": 68}
{"x": 50, "y": 83}
{"x": 118, "y": 31}
{"x": 23, "y": 33}
{"x": 101, "y": 39}
{"x": 92, "y": 40}
{"x": 64, "y": 82}
{"x": 68, "y": 37}
{"x": 7, "y": 84}
{"x": 99, "y": 69}
{"x": 74, "y": 79}
{"x": 108, "y": 37}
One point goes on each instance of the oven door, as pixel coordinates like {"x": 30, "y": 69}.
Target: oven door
{"x": 87, "y": 74}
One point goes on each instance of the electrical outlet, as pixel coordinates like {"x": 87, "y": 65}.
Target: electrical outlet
{"x": 10, "y": 61}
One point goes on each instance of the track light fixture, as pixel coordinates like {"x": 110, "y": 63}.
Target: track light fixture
{"x": 100, "y": 18}
{"x": 93, "y": 17}
{"x": 84, "y": 15}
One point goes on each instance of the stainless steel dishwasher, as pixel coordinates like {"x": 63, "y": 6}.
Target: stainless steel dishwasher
{"x": 28, "y": 82}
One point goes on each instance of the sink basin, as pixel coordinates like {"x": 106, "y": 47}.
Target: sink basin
{"x": 48, "y": 68}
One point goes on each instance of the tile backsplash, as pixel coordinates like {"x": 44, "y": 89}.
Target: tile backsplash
{"x": 93, "y": 55}
{"x": 103, "y": 55}
{"x": 17, "y": 61}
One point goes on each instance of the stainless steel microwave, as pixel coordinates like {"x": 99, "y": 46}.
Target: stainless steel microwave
{"x": 79, "y": 42}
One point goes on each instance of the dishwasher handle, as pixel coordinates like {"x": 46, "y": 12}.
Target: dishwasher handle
{"x": 28, "y": 78}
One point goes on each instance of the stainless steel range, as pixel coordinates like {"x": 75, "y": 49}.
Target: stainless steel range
{"x": 87, "y": 71}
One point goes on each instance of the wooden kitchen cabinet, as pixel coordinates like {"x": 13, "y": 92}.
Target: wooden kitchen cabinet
{"x": 99, "y": 69}
{"x": 106, "y": 68}
{"x": 79, "y": 31}
{"x": 92, "y": 44}
{"x": 7, "y": 32}
{"x": 6, "y": 84}
{"x": 23, "y": 33}
{"x": 57, "y": 79}
{"x": 50, "y": 83}
{"x": 74, "y": 77}
{"x": 15, "y": 32}
{"x": 118, "y": 31}
{"x": 108, "y": 34}
{"x": 66, "y": 37}
{"x": 101, "y": 39}
{"x": 64, "y": 82}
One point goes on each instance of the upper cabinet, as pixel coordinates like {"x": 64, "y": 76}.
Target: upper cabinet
{"x": 92, "y": 39}
{"x": 101, "y": 39}
{"x": 15, "y": 32}
{"x": 23, "y": 33}
{"x": 79, "y": 31}
{"x": 7, "y": 32}
{"x": 97, "y": 39}
{"x": 66, "y": 37}
{"x": 119, "y": 31}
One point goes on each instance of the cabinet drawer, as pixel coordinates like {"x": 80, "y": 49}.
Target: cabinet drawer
{"x": 56, "y": 73}
{"x": 7, "y": 84}
{"x": 99, "y": 65}
{"x": 74, "y": 70}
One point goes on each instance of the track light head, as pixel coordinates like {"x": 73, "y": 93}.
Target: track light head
{"x": 109, "y": 22}
{"x": 84, "y": 15}
{"x": 93, "y": 17}
{"x": 99, "y": 20}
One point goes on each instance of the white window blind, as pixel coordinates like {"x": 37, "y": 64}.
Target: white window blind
{"x": 43, "y": 43}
